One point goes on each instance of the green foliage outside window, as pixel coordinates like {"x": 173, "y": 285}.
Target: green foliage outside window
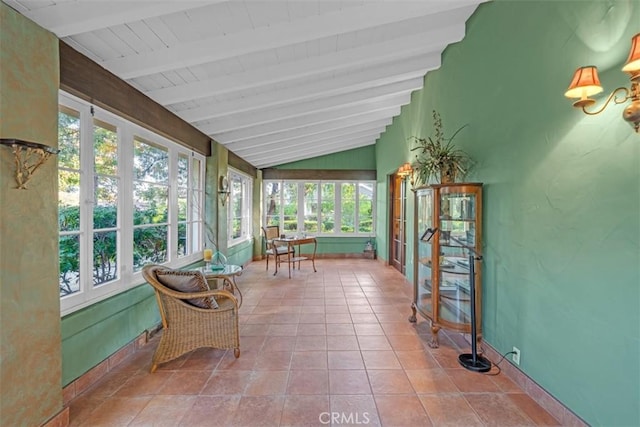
{"x": 150, "y": 245}
{"x": 319, "y": 206}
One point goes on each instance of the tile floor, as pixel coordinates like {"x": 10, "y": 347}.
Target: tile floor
{"x": 326, "y": 348}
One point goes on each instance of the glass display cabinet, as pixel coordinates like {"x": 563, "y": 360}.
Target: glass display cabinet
{"x": 448, "y": 219}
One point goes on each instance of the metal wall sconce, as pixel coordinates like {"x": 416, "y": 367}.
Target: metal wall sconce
{"x": 223, "y": 190}
{"x": 29, "y": 156}
{"x": 404, "y": 171}
{"x": 586, "y": 83}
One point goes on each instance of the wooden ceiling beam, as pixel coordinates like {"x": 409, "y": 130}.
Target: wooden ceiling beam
{"x": 316, "y": 99}
{"x": 310, "y": 119}
{"x": 70, "y": 18}
{"x": 379, "y": 60}
{"x": 380, "y": 125}
{"x": 280, "y": 35}
{"x": 319, "y": 174}
{"x": 263, "y": 161}
{"x": 287, "y": 134}
{"x": 285, "y": 148}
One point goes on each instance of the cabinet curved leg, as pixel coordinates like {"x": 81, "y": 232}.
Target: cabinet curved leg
{"x": 434, "y": 342}
{"x": 413, "y": 318}
{"x": 479, "y": 340}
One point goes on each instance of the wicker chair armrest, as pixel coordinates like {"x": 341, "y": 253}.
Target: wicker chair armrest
{"x": 203, "y": 294}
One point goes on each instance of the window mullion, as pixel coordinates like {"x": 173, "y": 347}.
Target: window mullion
{"x": 356, "y": 220}
{"x": 338, "y": 208}
{"x": 319, "y": 208}
{"x": 301, "y": 200}
{"x": 172, "y": 247}
{"x": 86, "y": 202}
{"x": 125, "y": 200}
{"x": 229, "y": 207}
{"x": 281, "y": 208}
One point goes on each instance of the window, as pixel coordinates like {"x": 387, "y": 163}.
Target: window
{"x": 365, "y": 207}
{"x": 106, "y": 181}
{"x": 127, "y": 197}
{"x": 310, "y": 210}
{"x": 290, "y": 207}
{"x": 328, "y": 207}
{"x": 240, "y": 212}
{"x": 190, "y": 199}
{"x": 150, "y": 204}
{"x": 273, "y": 202}
{"x": 322, "y": 208}
{"x": 69, "y": 200}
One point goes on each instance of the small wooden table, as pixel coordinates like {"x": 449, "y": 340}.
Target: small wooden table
{"x": 293, "y": 241}
{"x": 227, "y": 274}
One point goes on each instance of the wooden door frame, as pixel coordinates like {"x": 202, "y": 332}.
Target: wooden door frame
{"x": 403, "y": 221}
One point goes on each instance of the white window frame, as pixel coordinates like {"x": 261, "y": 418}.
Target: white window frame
{"x": 247, "y": 211}
{"x": 127, "y": 278}
{"x": 337, "y": 206}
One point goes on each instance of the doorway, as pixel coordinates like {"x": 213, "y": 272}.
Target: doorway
{"x": 397, "y": 214}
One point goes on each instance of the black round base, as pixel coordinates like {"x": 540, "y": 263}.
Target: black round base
{"x": 481, "y": 364}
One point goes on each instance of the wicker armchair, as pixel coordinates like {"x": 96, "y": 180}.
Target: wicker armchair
{"x": 187, "y": 327}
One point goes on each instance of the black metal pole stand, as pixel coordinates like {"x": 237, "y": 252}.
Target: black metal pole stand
{"x": 473, "y": 361}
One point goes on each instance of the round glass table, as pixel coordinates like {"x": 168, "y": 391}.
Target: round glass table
{"x": 227, "y": 275}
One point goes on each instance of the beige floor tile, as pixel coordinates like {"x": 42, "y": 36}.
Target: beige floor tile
{"x": 308, "y": 382}
{"x": 336, "y": 341}
{"x": 349, "y": 382}
{"x": 497, "y": 409}
{"x": 402, "y": 411}
{"x": 450, "y": 410}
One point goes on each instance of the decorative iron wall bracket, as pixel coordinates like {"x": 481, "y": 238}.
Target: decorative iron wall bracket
{"x": 28, "y": 156}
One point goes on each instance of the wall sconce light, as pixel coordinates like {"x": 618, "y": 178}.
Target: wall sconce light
{"x": 586, "y": 83}
{"x": 223, "y": 190}
{"x": 405, "y": 170}
{"x": 29, "y": 156}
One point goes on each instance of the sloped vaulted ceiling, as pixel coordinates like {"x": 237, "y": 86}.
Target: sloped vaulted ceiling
{"x": 274, "y": 81}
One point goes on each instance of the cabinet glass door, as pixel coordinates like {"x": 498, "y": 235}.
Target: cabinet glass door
{"x": 424, "y": 221}
{"x": 457, "y": 224}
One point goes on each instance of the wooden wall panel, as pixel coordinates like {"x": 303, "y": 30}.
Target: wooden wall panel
{"x": 241, "y": 164}
{"x": 85, "y": 79}
{"x": 323, "y": 174}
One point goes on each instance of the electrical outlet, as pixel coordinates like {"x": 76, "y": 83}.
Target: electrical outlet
{"x": 516, "y": 355}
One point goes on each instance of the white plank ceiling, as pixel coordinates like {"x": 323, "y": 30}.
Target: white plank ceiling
{"x": 275, "y": 81}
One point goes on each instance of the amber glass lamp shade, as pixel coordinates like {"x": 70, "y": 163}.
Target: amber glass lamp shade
{"x": 584, "y": 84}
{"x": 404, "y": 170}
{"x": 632, "y": 66}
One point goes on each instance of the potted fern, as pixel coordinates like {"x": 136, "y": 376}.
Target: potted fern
{"x": 437, "y": 156}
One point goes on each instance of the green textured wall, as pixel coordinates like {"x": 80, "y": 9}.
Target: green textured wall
{"x": 92, "y": 334}
{"x": 562, "y": 193}
{"x": 30, "y": 365}
{"x": 217, "y": 166}
{"x": 358, "y": 158}
{"x": 241, "y": 253}
{"x": 333, "y": 245}
{"x": 340, "y": 245}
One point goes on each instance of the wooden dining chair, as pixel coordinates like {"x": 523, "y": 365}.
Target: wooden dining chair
{"x": 272, "y": 249}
